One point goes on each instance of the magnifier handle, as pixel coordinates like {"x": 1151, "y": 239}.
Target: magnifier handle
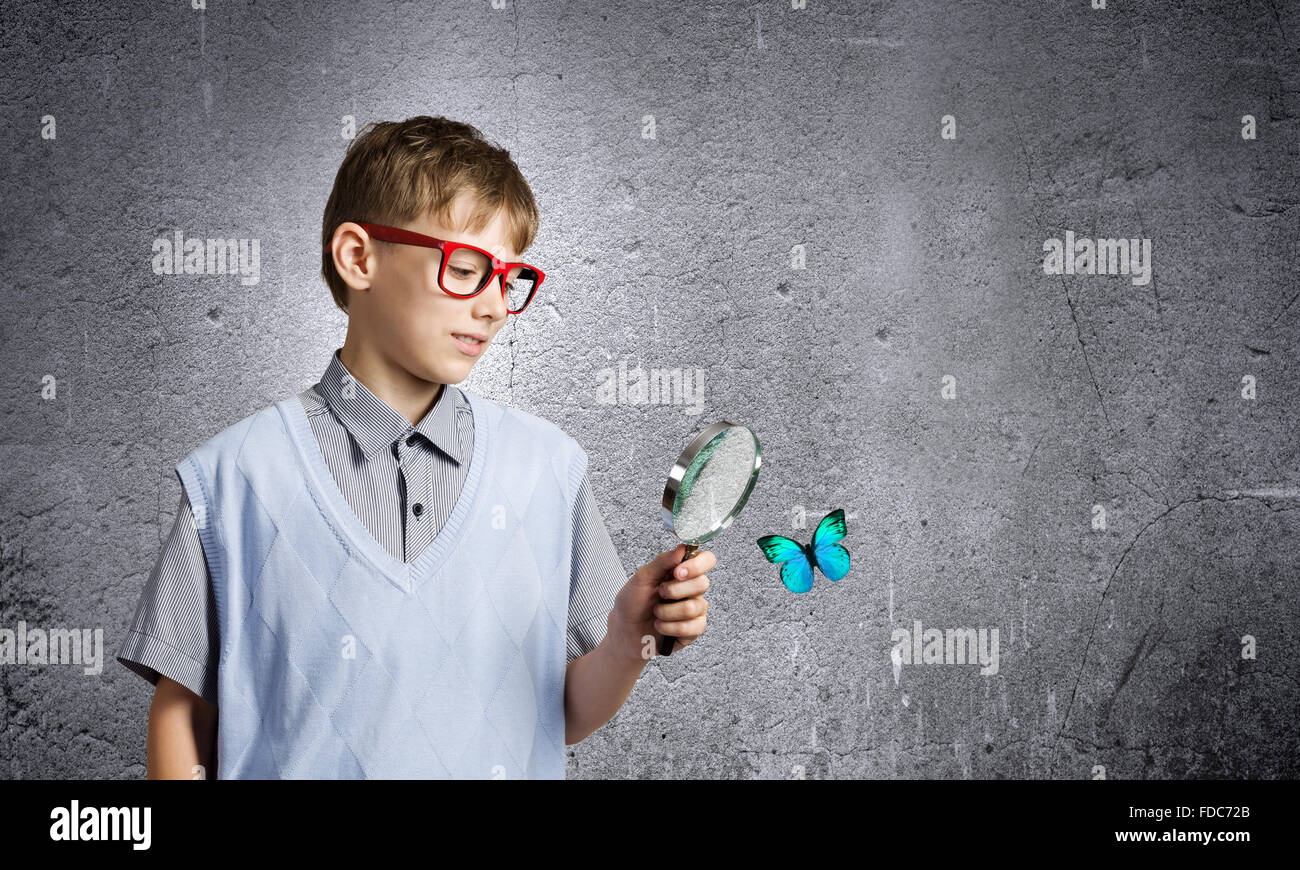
{"x": 666, "y": 641}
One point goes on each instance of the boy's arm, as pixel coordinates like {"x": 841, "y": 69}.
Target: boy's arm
{"x": 182, "y": 730}
{"x": 666, "y": 593}
{"x": 598, "y": 682}
{"x": 595, "y": 686}
{"x": 173, "y": 644}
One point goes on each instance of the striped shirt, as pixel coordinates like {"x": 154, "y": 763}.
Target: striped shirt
{"x": 402, "y": 482}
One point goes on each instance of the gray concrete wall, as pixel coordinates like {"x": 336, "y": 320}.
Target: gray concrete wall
{"x": 1161, "y": 646}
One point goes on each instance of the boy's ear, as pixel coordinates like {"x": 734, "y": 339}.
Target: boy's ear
{"x": 354, "y": 259}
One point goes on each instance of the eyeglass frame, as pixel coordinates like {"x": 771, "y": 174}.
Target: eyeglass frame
{"x": 410, "y": 237}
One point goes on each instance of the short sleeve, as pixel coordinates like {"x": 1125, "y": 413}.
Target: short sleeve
{"x": 597, "y": 575}
{"x": 174, "y": 632}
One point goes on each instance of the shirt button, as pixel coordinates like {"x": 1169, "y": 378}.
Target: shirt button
{"x": 417, "y": 509}
{"x": 410, "y": 442}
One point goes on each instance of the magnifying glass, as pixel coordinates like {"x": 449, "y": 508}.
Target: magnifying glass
{"x": 709, "y": 484}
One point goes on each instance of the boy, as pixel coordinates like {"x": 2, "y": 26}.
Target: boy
{"x": 385, "y": 575}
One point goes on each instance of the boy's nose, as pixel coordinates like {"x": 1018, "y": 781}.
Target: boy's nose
{"x": 493, "y": 300}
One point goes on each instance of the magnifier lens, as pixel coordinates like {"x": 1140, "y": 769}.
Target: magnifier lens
{"x": 707, "y": 487}
{"x": 714, "y": 484}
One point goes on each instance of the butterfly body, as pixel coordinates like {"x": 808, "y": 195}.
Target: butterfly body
{"x": 824, "y": 551}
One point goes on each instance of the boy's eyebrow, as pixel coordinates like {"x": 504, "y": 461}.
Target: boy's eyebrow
{"x": 494, "y": 253}
{"x": 515, "y": 259}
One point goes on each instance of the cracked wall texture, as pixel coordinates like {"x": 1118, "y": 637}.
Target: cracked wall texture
{"x": 1120, "y": 648}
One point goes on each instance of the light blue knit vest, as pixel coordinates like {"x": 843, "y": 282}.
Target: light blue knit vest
{"x": 339, "y": 660}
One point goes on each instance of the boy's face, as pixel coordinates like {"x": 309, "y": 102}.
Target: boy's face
{"x": 408, "y": 317}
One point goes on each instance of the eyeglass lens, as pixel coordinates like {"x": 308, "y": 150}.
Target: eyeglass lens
{"x": 467, "y": 270}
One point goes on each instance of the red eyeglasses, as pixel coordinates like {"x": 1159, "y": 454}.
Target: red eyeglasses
{"x": 465, "y": 269}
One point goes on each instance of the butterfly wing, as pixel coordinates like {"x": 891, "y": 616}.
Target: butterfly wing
{"x": 832, "y": 557}
{"x": 833, "y": 560}
{"x": 796, "y": 572}
{"x": 778, "y": 548}
{"x": 831, "y": 529}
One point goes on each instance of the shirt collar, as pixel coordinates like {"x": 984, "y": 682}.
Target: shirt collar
{"x": 376, "y": 425}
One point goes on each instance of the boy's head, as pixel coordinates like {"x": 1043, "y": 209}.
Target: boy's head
{"x": 437, "y": 177}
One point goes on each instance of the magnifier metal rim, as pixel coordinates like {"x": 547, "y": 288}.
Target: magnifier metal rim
{"x": 684, "y": 462}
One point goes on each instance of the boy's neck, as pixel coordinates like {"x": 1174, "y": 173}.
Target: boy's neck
{"x": 410, "y": 396}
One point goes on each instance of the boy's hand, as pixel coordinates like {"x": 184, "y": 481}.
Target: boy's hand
{"x": 640, "y": 609}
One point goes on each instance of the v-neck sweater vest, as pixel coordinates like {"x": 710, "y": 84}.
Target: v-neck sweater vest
{"x": 340, "y": 661}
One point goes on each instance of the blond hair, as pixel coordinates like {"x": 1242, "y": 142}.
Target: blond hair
{"x": 395, "y": 172}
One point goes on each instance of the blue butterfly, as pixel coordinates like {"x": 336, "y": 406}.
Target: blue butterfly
{"x": 797, "y": 559}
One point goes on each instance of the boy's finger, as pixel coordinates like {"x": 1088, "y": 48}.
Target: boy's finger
{"x": 661, "y": 566}
{"x": 688, "y": 608}
{"x": 681, "y": 627}
{"x": 684, "y": 588}
{"x": 696, "y": 565}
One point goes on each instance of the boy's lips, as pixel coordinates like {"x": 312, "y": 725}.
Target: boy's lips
{"x": 470, "y": 348}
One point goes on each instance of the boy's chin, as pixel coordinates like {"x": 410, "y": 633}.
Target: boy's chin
{"x": 455, "y": 371}
{"x": 440, "y": 371}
